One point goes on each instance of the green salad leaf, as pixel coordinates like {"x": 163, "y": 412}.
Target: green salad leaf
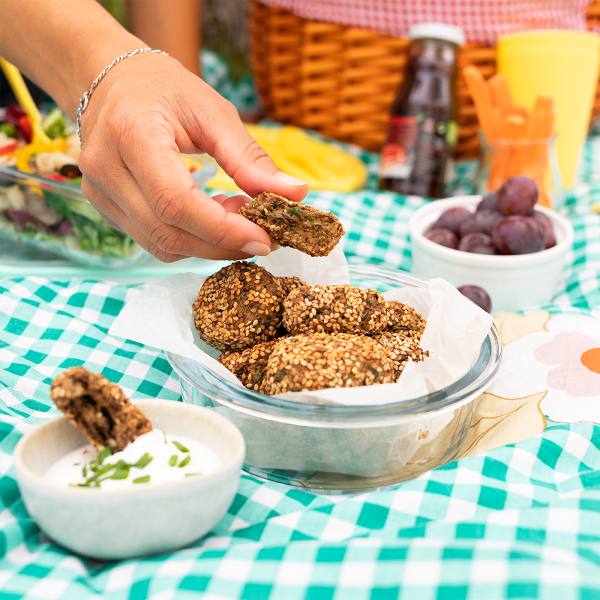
{"x": 93, "y": 234}
{"x": 8, "y": 129}
{"x": 55, "y": 125}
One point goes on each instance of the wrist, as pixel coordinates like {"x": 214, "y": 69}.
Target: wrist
{"x": 88, "y": 94}
{"x": 98, "y": 56}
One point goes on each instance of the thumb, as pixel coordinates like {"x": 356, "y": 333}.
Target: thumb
{"x": 245, "y": 161}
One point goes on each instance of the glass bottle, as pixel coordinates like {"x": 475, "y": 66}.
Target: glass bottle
{"x": 423, "y": 128}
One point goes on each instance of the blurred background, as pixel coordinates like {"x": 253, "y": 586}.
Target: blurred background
{"x": 182, "y": 28}
{"x": 209, "y": 37}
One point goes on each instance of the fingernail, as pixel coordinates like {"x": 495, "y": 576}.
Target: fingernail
{"x": 290, "y": 180}
{"x": 274, "y": 246}
{"x": 256, "y": 249}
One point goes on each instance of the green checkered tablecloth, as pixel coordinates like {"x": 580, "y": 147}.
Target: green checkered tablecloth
{"x": 521, "y": 521}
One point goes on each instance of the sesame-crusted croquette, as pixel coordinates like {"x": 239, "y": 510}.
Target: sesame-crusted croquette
{"x": 238, "y": 307}
{"x": 401, "y": 349}
{"x": 334, "y": 309}
{"x": 249, "y": 364}
{"x": 98, "y": 408}
{"x": 401, "y": 317}
{"x": 319, "y": 361}
{"x": 294, "y": 224}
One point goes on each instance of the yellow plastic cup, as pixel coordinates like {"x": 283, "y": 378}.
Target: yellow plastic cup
{"x": 563, "y": 64}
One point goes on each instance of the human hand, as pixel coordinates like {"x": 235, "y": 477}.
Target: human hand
{"x": 147, "y": 110}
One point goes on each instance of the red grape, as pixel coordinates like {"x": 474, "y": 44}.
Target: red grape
{"x": 443, "y": 237}
{"x": 519, "y": 235}
{"x": 452, "y": 219}
{"x": 478, "y": 243}
{"x": 546, "y": 223}
{"x": 477, "y": 295}
{"x": 489, "y": 202}
{"x": 518, "y": 196}
{"x": 482, "y": 221}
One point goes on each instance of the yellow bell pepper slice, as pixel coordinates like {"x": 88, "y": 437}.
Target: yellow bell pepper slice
{"x": 25, "y": 153}
{"x": 321, "y": 165}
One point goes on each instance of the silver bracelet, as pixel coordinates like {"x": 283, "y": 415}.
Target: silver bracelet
{"x": 83, "y": 103}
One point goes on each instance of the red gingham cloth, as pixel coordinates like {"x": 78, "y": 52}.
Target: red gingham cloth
{"x": 482, "y": 21}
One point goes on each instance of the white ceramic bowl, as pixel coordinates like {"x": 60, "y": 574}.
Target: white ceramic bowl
{"x": 513, "y": 282}
{"x": 138, "y": 521}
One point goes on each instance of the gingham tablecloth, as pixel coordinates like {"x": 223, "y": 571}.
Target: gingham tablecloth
{"x": 520, "y": 521}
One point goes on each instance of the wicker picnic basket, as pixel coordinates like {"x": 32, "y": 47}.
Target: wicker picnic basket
{"x": 341, "y": 81}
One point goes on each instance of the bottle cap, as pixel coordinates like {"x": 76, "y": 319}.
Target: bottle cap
{"x": 438, "y": 31}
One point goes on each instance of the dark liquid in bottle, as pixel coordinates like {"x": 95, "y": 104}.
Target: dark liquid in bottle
{"x": 423, "y": 131}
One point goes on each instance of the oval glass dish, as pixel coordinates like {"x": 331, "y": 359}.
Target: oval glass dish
{"x": 54, "y": 216}
{"x": 345, "y": 449}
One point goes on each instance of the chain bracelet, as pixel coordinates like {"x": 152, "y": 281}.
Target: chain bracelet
{"x": 83, "y": 103}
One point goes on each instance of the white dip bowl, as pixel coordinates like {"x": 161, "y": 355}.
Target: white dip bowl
{"x": 141, "y": 520}
{"x": 513, "y": 282}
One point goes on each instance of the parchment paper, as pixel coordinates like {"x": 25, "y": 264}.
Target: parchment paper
{"x": 161, "y": 316}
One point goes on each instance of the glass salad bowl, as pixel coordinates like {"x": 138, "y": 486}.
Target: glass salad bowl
{"x": 345, "y": 449}
{"x": 54, "y": 216}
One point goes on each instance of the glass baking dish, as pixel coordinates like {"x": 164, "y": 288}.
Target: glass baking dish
{"x": 343, "y": 449}
{"x": 54, "y": 216}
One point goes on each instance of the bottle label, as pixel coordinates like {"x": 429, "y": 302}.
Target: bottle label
{"x": 398, "y": 154}
{"x": 417, "y": 147}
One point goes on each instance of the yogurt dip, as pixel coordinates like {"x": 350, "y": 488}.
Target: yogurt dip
{"x": 151, "y": 459}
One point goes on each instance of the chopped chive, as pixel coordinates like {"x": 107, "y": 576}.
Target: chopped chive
{"x": 145, "y": 460}
{"x": 144, "y": 479}
{"x": 165, "y": 436}
{"x": 84, "y": 471}
{"x": 102, "y": 471}
{"x": 173, "y": 460}
{"x": 104, "y": 454}
{"x": 179, "y": 446}
{"x": 120, "y": 474}
{"x": 192, "y": 474}
{"x": 94, "y": 480}
{"x": 185, "y": 461}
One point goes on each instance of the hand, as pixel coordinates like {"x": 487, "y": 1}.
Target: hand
{"x": 143, "y": 113}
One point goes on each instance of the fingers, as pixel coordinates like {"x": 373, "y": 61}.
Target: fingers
{"x": 220, "y": 198}
{"x": 168, "y": 188}
{"x": 227, "y": 140}
{"x": 110, "y": 211}
{"x": 112, "y": 214}
{"x": 234, "y": 203}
